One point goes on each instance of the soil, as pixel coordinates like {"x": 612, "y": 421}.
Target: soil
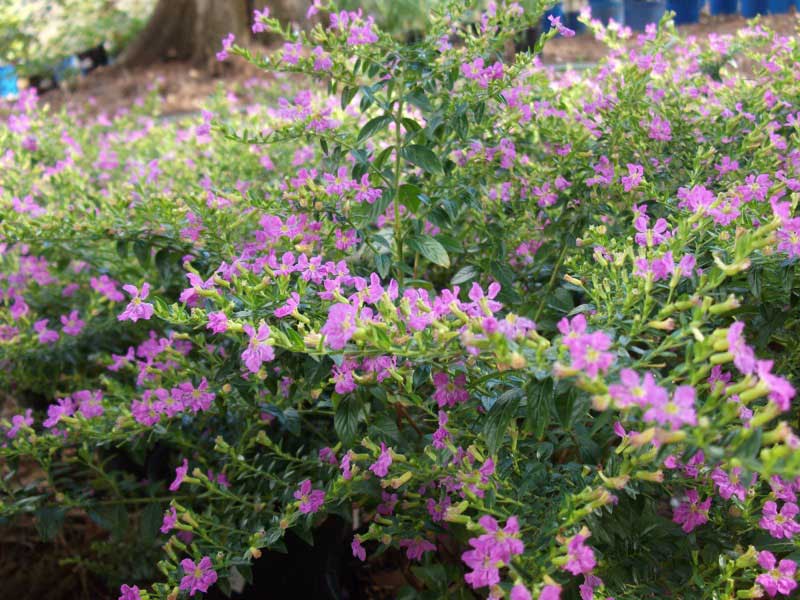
{"x": 185, "y": 88}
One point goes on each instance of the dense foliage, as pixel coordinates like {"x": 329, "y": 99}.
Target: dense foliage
{"x": 544, "y": 324}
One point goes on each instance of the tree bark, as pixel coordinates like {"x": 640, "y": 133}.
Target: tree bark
{"x": 187, "y": 30}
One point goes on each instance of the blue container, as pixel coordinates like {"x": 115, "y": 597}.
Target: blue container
{"x": 571, "y": 21}
{"x": 751, "y": 8}
{"x": 779, "y": 7}
{"x": 640, "y": 13}
{"x": 723, "y": 7}
{"x": 606, "y": 10}
{"x": 686, "y": 11}
{"x": 556, "y": 11}
{"x": 8, "y": 82}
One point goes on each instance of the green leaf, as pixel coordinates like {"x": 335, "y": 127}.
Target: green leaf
{"x": 383, "y": 262}
{"x": 141, "y": 250}
{"x": 409, "y": 196}
{"x": 348, "y": 94}
{"x": 150, "y": 522}
{"x": 345, "y": 421}
{"x": 539, "y": 406}
{"x": 465, "y": 274}
{"x": 423, "y": 157}
{"x": 384, "y": 428}
{"x": 373, "y": 126}
{"x": 430, "y": 249}
{"x": 499, "y": 417}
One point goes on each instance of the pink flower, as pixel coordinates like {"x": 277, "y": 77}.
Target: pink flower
{"x": 180, "y": 474}
{"x": 18, "y": 422}
{"x": 743, "y": 356}
{"x": 46, "y": 336}
{"x": 781, "y": 391}
{"x": 289, "y": 307}
{"x": 550, "y": 592}
{"x": 72, "y": 324}
{"x": 137, "y": 309}
{"x": 691, "y": 513}
{"x": 780, "y": 580}
{"x": 676, "y": 412}
{"x": 358, "y": 550}
{"x": 327, "y": 455}
{"x": 416, "y": 548}
{"x": 730, "y": 485}
{"x": 195, "y": 398}
{"x": 340, "y": 326}
{"x": 381, "y": 466}
{"x": 633, "y": 178}
{"x": 227, "y": 44}
{"x": 217, "y": 322}
{"x": 555, "y": 23}
{"x": 580, "y": 557}
{"x": 169, "y": 521}
{"x": 589, "y": 354}
{"x": 130, "y": 593}
{"x": 780, "y": 524}
{"x": 633, "y": 391}
{"x": 450, "y": 392}
{"x": 258, "y": 350}
{"x": 520, "y": 592}
{"x": 441, "y": 435}
{"x": 197, "y": 577}
{"x": 259, "y": 20}
{"x": 490, "y": 550}
{"x": 310, "y": 500}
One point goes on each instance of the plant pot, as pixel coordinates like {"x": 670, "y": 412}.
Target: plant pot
{"x": 723, "y": 7}
{"x": 686, "y": 11}
{"x": 751, "y": 8}
{"x": 640, "y": 13}
{"x": 606, "y": 10}
{"x": 8, "y": 82}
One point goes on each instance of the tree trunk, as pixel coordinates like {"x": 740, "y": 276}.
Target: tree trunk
{"x": 187, "y": 30}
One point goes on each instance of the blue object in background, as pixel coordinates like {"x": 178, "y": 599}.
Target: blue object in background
{"x": 556, "y": 11}
{"x": 67, "y": 67}
{"x": 751, "y": 8}
{"x": 779, "y": 7}
{"x": 640, "y": 13}
{"x": 8, "y": 82}
{"x": 686, "y": 11}
{"x": 606, "y": 10}
{"x": 723, "y": 7}
{"x": 571, "y": 21}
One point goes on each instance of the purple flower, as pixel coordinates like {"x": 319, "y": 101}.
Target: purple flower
{"x": 197, "y": 577}
{"x": 416, "y": 548}
{"x": 289, "y": 307}
{"x": 72, "y": 324}
{"x": 358, "y": 550}
{"x": 677, "y": 412}
{"x": 450, "y": 392}
{"x": 227, "y": 44}
{"x": 129, "y": 593}
{"x": 340, "y": 326}
{"x": 633, "y": 178}
{"x": 381, "y": 466}
{"x": 310, "y": 500}
{"x": 169, "y": 521}
{"x": 730, "y": 485}
{"x": 18, "y": 422}
{"x": 779, "y": 578}
{"x": 589, "y": 353}
{"x": 180, "y": 474}
{"x": 137, "y": 309}
{"x": 327, "y": 455}
{"x": 217, "y": 322}
{"x": 441, "y": 435}
{"x": 633, "y": 391}
{"x": 550, "y": 592}
{"x": 258, "y": 350}
{"x": 520, "y": 592}
{"x": 46, "y": 336}
{"x": 490, "y": 550}
{"x": 259, "y": 21}
{"x": 780, "y": 524}
{"x": 580, "y": 556}
{"x": 555, "y": 23}
{"x": 743, "y": 356}
{"x": 691, "y": 513}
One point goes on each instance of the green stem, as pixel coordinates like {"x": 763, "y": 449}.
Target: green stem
{"x": 398, "y": 232}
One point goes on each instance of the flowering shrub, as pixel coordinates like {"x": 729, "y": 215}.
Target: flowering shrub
{"x": 543, "y": 323}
